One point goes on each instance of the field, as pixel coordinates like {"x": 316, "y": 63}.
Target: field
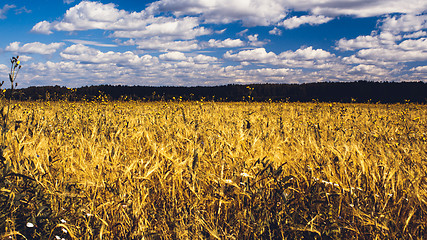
{"x": 207, "y": 170}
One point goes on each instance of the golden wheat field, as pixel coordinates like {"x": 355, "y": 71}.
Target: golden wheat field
{"x": 208, "y": 170}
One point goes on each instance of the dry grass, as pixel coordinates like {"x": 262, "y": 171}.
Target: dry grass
{"x": 197, "y": 170}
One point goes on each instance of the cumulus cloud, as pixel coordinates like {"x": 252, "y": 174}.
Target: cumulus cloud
{"x": 387, "y": 47}
{"x": 95, "y": 15}
{"x": 173, "y": 27}
{"x": 35, "y": 47}
{"x": 392, "y": 55}
{"x": 275, "y": 31}
{"x": 74, "y": 74}
{"x": 185, "y": 28}
{"x": 415, "y": 34}
{"x": 270, "y": 12}
{"x": 307, "y": 53}
{"x": 358, "y": 8}
{"x": 5, "y": 9}
{"x": 24, "y": 58}
{"x": 200, "y": 58}
{"x": 85, "y": 54}
{"x": 414, "y": 45}
{"x": 363, "y": 69}
{"x": 422, "y": 69}
{"x": 173, "y": 56}
{"x": 93, "y": 43}
{"x": 301, "y": 58}
{"x": 271, "y": 71}
{"x": 251, "y": 13}
{"x": 355, "y": 60}
{"x": 357, "y": 43}
{"x": 384, "y": 39}
{"x": 253, "y": 55}
{"x": 295, "y": 22}
{"x": 4, "y": 68}
{"x": 43, "y": 27}
{"x": 253, "y": 41}
{"x": 400, "y": 39}
{"x": 227, "y": 43}
{"x": 404, "y": 23}
{"x": 164, "y": 44}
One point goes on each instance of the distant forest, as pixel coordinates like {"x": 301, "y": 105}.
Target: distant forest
{"x": 361, "y": 91}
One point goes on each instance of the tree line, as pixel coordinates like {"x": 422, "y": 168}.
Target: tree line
{"x": 360, "y": 91}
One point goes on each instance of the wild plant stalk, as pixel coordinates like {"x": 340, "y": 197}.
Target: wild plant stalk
{"x": 14, "y": 70}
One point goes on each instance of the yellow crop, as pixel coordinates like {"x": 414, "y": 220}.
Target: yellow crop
{"x": 205, "y": 170}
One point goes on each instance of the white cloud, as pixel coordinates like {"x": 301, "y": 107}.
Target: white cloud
{"x": 392, "y": 55}
{"x": 254, "y": 55}
{"x": 221, "y": 31}
{"x": 95, "y": 15}
{"x": 200, "y": 58}
{"x": 404, "y": 23}
{"x": 93, "y": 43}
{"x": 304, "y": 58}
{"x": 250, "y": 12}
{"x": 262, "y": 56}
{"x": 422, "y": 69}
{"x": 416, "y": 34}
{"x": 35, "y": 47}
{"x": 43, "y": 27}
{"x": 22, "y": 10}
{"x": 173, "y": 56}
{"x": 385, "y": 52}
{"x": 384, "y": 48}
{"x": 275, "y": 31}
{"x": 353, "y": 59}
{"x": 411, "y": 45}
{"x": 164, "y": 44}
{"x": 185, "y": 28}
{"x": 227, "y": 43}
{"x": 5, "y": 9}
{"x": 173, "y": 27}
{"x": 4, "y": 68}
{"x": 253, "y": 41}
{"x": 363, "y": 69}
{"x": 358, "y": 43}
{"x": 24, "y": 58}
{"x": 74, "y": 74}
{"x": 271, "y": 71}
{"x": 307, "y": 53}
{"x": 270, "y": 12}
{"x": 295, "y": 22}
{"x": 85, "y": 54}
{"x": 243, "y": 32}
{"x": 358, "y": 8}
{"x": 384, "y": 39}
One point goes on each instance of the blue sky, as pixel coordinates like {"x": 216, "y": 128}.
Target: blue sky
{"x": 213, "y": 42}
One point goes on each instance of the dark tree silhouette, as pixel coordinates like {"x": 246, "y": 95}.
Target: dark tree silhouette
{"x": 361, "y": 91}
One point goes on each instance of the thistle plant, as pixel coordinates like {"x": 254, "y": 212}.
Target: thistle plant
{"x": 5, "y": 115}
{"x": 16, "y": 179}
{"x": 14, "y": 70}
